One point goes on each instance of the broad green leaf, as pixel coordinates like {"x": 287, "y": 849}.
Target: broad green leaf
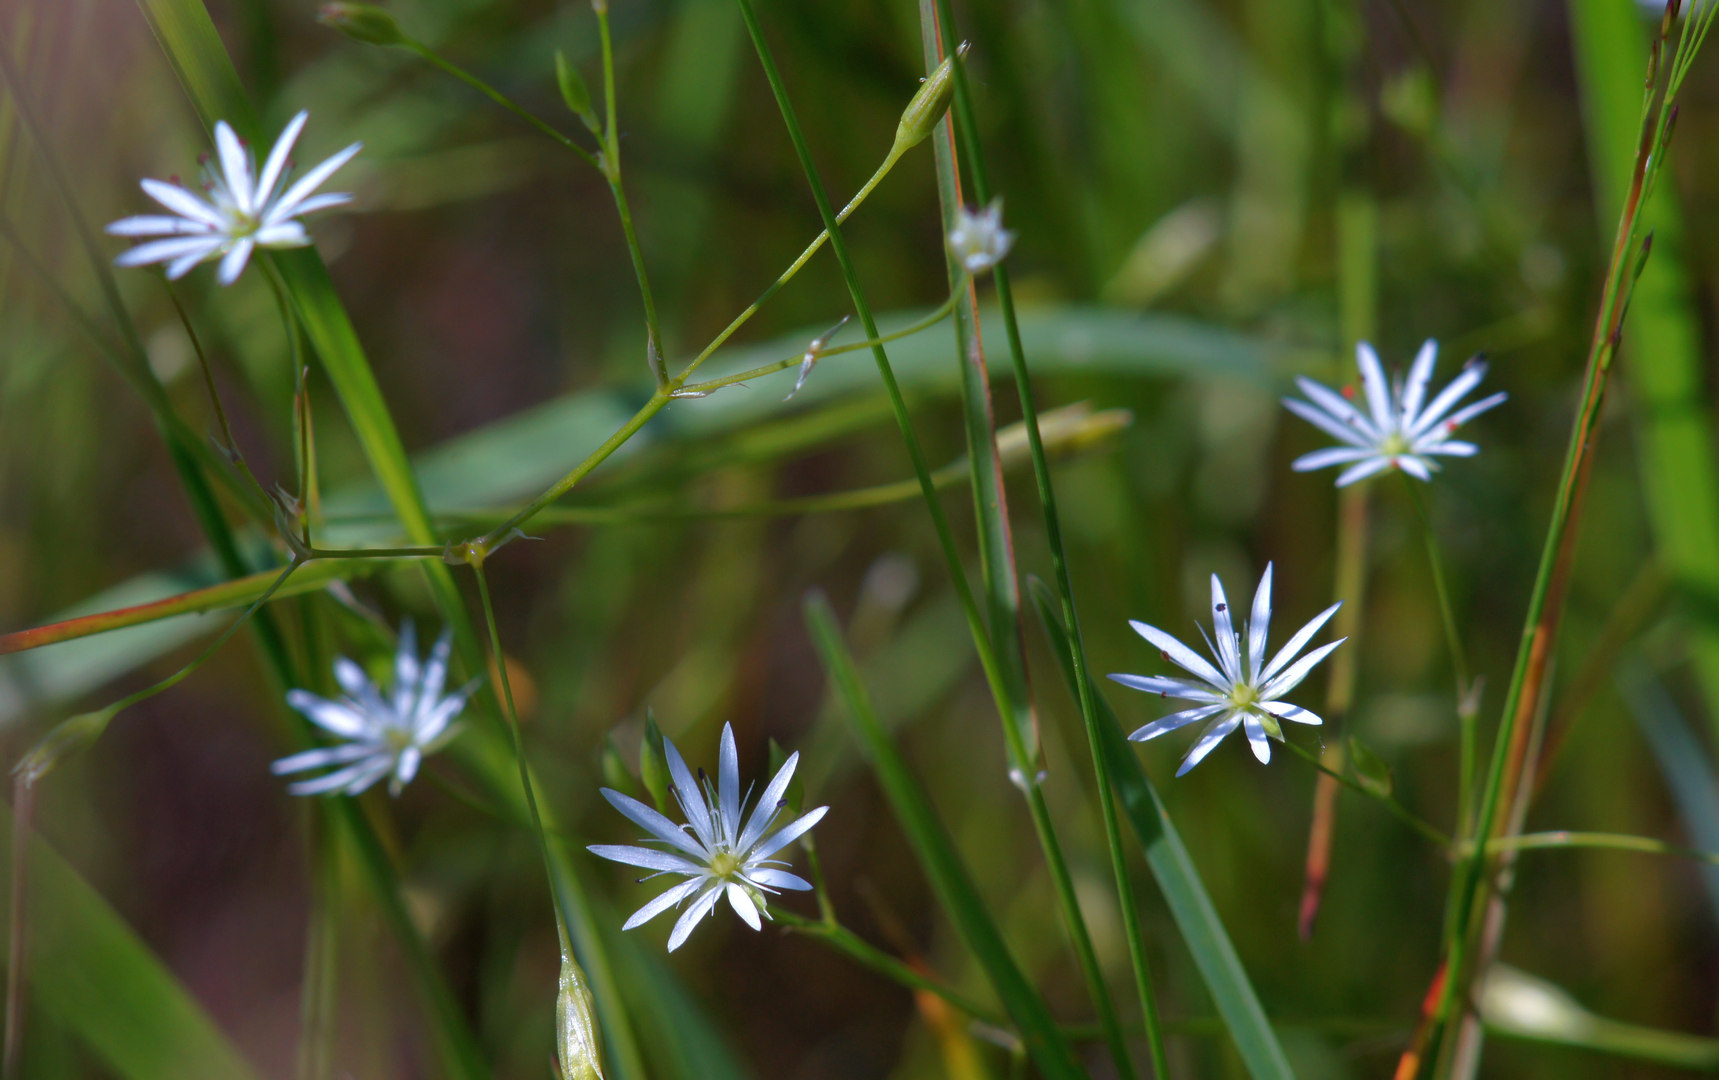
{"x": 936, "y": 853}
{"x": 1202, "y": 930}
{"x": 91, "y": 975}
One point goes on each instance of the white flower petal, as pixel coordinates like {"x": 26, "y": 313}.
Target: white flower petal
{"x": 158, "y": 225}
{"x": 1454, "y": 448}
{"x": 321, "y": 202}
{"x": 182, "y": 202}
{"x": 1420, "y": 374}
{"x": 1469, "y": 412}
{"x": 1164, "y": 686}
{"x": 654, "y": 823}
{"x": 648, "y": 858}
{"x": 1176, "y": 720}
{"x": 1259, "y": 624}
{"x": 1291, "y": 676}
{"x": 181, "y": 266}
{"x": 1449, "y": 396}
{"x": 1377, "y": 387}
{"x": 765, "y": 812}
{"x": 1363, "y": 470}
{"x": 1334, "y": 455}
{"x": 288, "y": 234}
{"x": 1179, "y": 654}
{"x": 1223, "y": 624}
{"x": 165, "y": 250}
{"x": 786, "y": 835}
{"x": 276, "y": 164}
{"x": 352, "y": 678}
{"x": 368, "y": 769}
{"x": 1299, "y": 641}
{"x": 1257, "y": 739}
{"x": 233, "y": 263}
{"x": 691, "y": 798}
{"x": 322, "y": 757}
{"x": 1330, "y": 424}
{"x": 287, "y": 205}
{"x": 1358, "y": 426}
{"x": 728, "y": 784}
{"x": 1208, "y": 742}
{"x": 236, "y": 166}
{"x": 662, "y": 903}
{"x": 1414, "y": 466}
{"x": 689, "y": 918}
{"x": 407, "y": 767}
{"x": 335, "y": 717}
{"x": 1293, "y": 713}
{"x": 779, "y": 879}
{"x": 743, "y": 906}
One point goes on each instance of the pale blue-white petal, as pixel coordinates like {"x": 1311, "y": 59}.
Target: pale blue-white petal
{"x": 1420, "y": 374}
{"x": 276, "y": 164}
{"x": 1332, "y": 455}
{"x": 648, "y": 858}
{"x": 1223, "y": 625}
{"x": 1294, "y": 713}
{"x": 1377, "y": 387}
{"x": 353, "y": 680}
{"x": 1164, "y": 686}
{"x": 1208, "y": 742}
{"x": 406, "y": 669}
{"x": 407, "y": 767}
{"x": 1414, "y": 466}
{"x": 765, "y": 811}
{"x": 181, "y": 266}
{"x": 1257, "y": 739}
{"x": 182, "y": 202}
{"x": 1340, "y": 409}
{"x": 1259, "y": 624}
{"x": 322, "y": 202}
{"x": 1362, "y": 471}
{"x": 686, "y": 789}
{"x": 662, "y": 903}
{"x": 728, "y": 783}
{"x": 288, "y": 204}
{"x": 1176, "y": 720}
{"x": 288, "y": 234}
{"x": 690, "y": 917}
{"x": 233, "y": 262}
{"x": 236, "y": 167}
{"x": 165, "y": 250}
{"x": 1449, "y": 396}
{"x": 1299, "y": 641}
{"x": 322, "y": 757}
{"x": 743, "y": 906}
{"x": 1349, "y": 433}
{"x": 1469, "y": 412}
{"x": 435, "y": 674}
{"x": 654, "y": 823}
{"x": 335, "y": 717}
{"x": 786, "y": 835}
{"x": 158, "y": 225}
{"x": 1453, "y": 447}
{"x": 1291, "y": 677}
{"x": 1179, "y": 654}
{"x": 779, "y": 879}
{"x": 366, "y": 769}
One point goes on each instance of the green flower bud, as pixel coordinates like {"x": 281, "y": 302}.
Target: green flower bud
{"x": 362, "y": 22}
{"x": 653, "y": 764}
{"x": 576, "y": 1025}
{"x": 928, "y": 105}
{"x": 574, "y": 91}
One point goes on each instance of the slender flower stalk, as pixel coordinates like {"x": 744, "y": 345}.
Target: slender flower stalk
{"x": 241, "y": 209}
{"x": 384, "y": 736}
{"x": 1243, "y": 689}
{"x": 1400, "y": 429}
{"x": 723, "y": 850}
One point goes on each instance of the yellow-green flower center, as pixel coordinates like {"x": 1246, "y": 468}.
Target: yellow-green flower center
{"x": 1395, "y": 444}
{"x": 724, "y": 864}
{"x": 397, "y": 739}
{"x": 1243, "y": 696}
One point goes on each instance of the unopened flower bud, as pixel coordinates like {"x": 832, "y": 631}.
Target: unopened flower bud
{"x": 576, "y": 1025}
{"x": 928, "y": 105}
{"x": 978, "y": 239}
{"x": 362, "y": 22}
{"x": 574, "y": 92}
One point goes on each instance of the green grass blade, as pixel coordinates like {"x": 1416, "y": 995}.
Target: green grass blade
{"x": 936, "y": 853}
{"x": 1680, "y": 479}
{"x": 92, "y": 976}
{"x": 1202, "y": 930}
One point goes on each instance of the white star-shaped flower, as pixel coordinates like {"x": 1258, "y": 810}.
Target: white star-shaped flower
{"x": 237, "y": 214}
{"x": 978, "y": 239}
{"x": 1243, "y": 689}
{"x": 385, "y": 736}
{"x": 1404, "y": 430}
{"x": 721, "y": 851}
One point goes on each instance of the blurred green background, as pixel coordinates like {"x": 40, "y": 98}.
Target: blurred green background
{"x": 1210, "y": 199}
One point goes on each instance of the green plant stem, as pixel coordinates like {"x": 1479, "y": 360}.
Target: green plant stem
{"x": 898, "y": 405}
{"x": 1602, "y": 841}
{"x": 963, "y": 122}
{"x": 938, "y": 315}
{"x": 1397, "y": 809}
{"x": 488, "y": 91}
{"x": 872, "y": 958}
{"x": 1447, "y": 613}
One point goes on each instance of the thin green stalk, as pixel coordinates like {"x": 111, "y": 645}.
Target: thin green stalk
{"x": 962, "y": 121}
{"x": 488, "y": 91}
{"x": 1397, "y": 809}
{"x": 1645, "y": 845}
{"x": 869, "y": 956}
{"x": 1447, "y": 614}
{"x": 317, "y": 1008}
{"x": 946, "y": 538}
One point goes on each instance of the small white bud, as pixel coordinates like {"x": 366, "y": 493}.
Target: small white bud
{"x": 978, "y": 239}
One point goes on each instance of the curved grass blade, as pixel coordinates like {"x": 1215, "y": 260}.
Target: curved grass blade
{"x": 1203, "y": 931}
{"x": 936, "y": 853}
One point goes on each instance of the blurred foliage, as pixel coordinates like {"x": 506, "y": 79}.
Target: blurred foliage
{"x": 1175, "y": 171}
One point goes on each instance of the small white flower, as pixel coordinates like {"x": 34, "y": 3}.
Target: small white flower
{"x": 385, "y": 736}
{"x": 722, "y": 851}
{"x": 979, "y": 239}
{"x": 237, "y": 215}
{"x": 1404, "y": 431}
{"x": 1243, "y": 689}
